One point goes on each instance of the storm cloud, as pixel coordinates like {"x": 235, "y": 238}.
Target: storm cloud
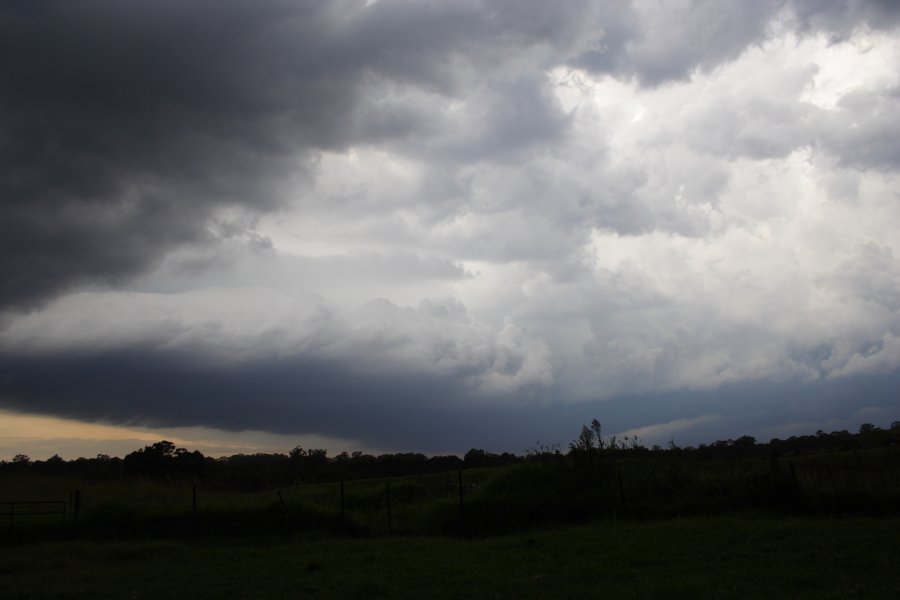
{"x": 309, "y": 217}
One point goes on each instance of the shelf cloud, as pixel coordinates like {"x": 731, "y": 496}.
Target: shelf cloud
{"x": 369, "y": 220}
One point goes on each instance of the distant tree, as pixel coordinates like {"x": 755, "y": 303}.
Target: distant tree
{"x": 597, "y": 429}
{"x": 866, "y": 428}
{"x": 309, "y": 464}
{"x": 163, "y": 458}
{"x": 450, "y": 462}
{"x": 401, "y": 463}
{"x": 21, "y": 459}
{"x": 163, "y": 449}
{"x": 476, "y": 458}
{"x": 585, "y": 443}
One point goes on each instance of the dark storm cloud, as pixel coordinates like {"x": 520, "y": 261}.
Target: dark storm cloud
{"x": 140, "y": 132}
{"x": 297, "y": 395}
{"x": 144, "y": 386}
{"x": 397, "y": 410}
{"x": 270, "y": 363}
{"x": 128, "y": 125}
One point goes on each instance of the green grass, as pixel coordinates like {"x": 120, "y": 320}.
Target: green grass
{"x": 135, "y": 507}
{"x": 680, "y": 558}
{"x": 498, "y": 500}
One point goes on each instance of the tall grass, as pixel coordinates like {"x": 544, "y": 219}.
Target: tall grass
{"x": 864, "y": 482}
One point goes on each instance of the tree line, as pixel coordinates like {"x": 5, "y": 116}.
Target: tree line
{"x": 258, "y": 471}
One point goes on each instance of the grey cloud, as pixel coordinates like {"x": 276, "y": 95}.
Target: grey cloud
{"x": 765, "y": 410}
{"x": 772, "y": 124}
{"x": 841, "y": 17}
{"x": 267, "y": 364}
{"x": 661, "y": 42}
{"x": 655, "y": 316}
{"x": 154, "y": 136}
{"x": 437, "y": 338}
{"x": 864, "y": 132}
{"x": 871, "y": 274}
{"x": 321, "y": 274}
{"x": 700, "y": 34}
{"x": 400, "y": 411}
{"x": 505, "y": 121}
{"x": 146, "y": 387}
{"x": 131, "y": 125}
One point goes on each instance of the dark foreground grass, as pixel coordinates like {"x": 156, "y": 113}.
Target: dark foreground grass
{"x": 718, "y": 557}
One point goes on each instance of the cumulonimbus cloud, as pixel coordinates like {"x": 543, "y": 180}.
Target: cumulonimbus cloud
{"x": 609, "y": 197}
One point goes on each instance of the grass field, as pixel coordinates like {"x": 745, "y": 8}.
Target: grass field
{"x": 715, "y": 557}
{"x": 420, "y": 504}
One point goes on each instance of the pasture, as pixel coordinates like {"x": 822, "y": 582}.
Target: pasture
{"x": 630, "y": 524}
{"x": 699, "y": 557}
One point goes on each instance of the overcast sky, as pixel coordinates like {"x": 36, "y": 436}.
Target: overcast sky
{"x": 435, "y": 225}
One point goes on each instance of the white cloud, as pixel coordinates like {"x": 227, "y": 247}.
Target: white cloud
{"x": 660, "y": 433}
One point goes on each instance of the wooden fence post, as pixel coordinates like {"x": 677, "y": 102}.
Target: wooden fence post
{"x": 388, "y": 493}
{"x": 621, "y": 489}
{"x": 76, "y": 508}
{"x": 460, "y": 499}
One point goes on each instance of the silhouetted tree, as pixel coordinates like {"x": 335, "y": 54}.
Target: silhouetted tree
{"x": 163, "y": 459}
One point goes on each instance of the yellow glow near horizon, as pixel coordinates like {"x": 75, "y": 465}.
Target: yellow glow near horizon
{"x": 33, "y": 427}
{"x": 43, "y": 436}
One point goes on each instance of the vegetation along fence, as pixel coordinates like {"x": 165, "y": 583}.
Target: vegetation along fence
{"x": 30, "y": 512}
{"x": 823, "y": 474}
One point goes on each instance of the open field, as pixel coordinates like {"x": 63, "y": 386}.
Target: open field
{"x": 680, "y": 558}
{"x": 625, "y": 523}
{"x": 141, "y": 507}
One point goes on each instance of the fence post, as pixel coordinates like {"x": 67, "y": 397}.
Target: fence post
{"x": 388, "y": 493}
{"x": 194, "y": 496}
{"x": 343, "y": 511}
{"x": 460, "y": 499}
{"x": 76, "y": 508}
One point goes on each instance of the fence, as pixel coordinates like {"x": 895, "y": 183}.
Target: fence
{"x": 25, "y": 513}
{"x": 399, "y": 505}
{"x": 479, "y": 499}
